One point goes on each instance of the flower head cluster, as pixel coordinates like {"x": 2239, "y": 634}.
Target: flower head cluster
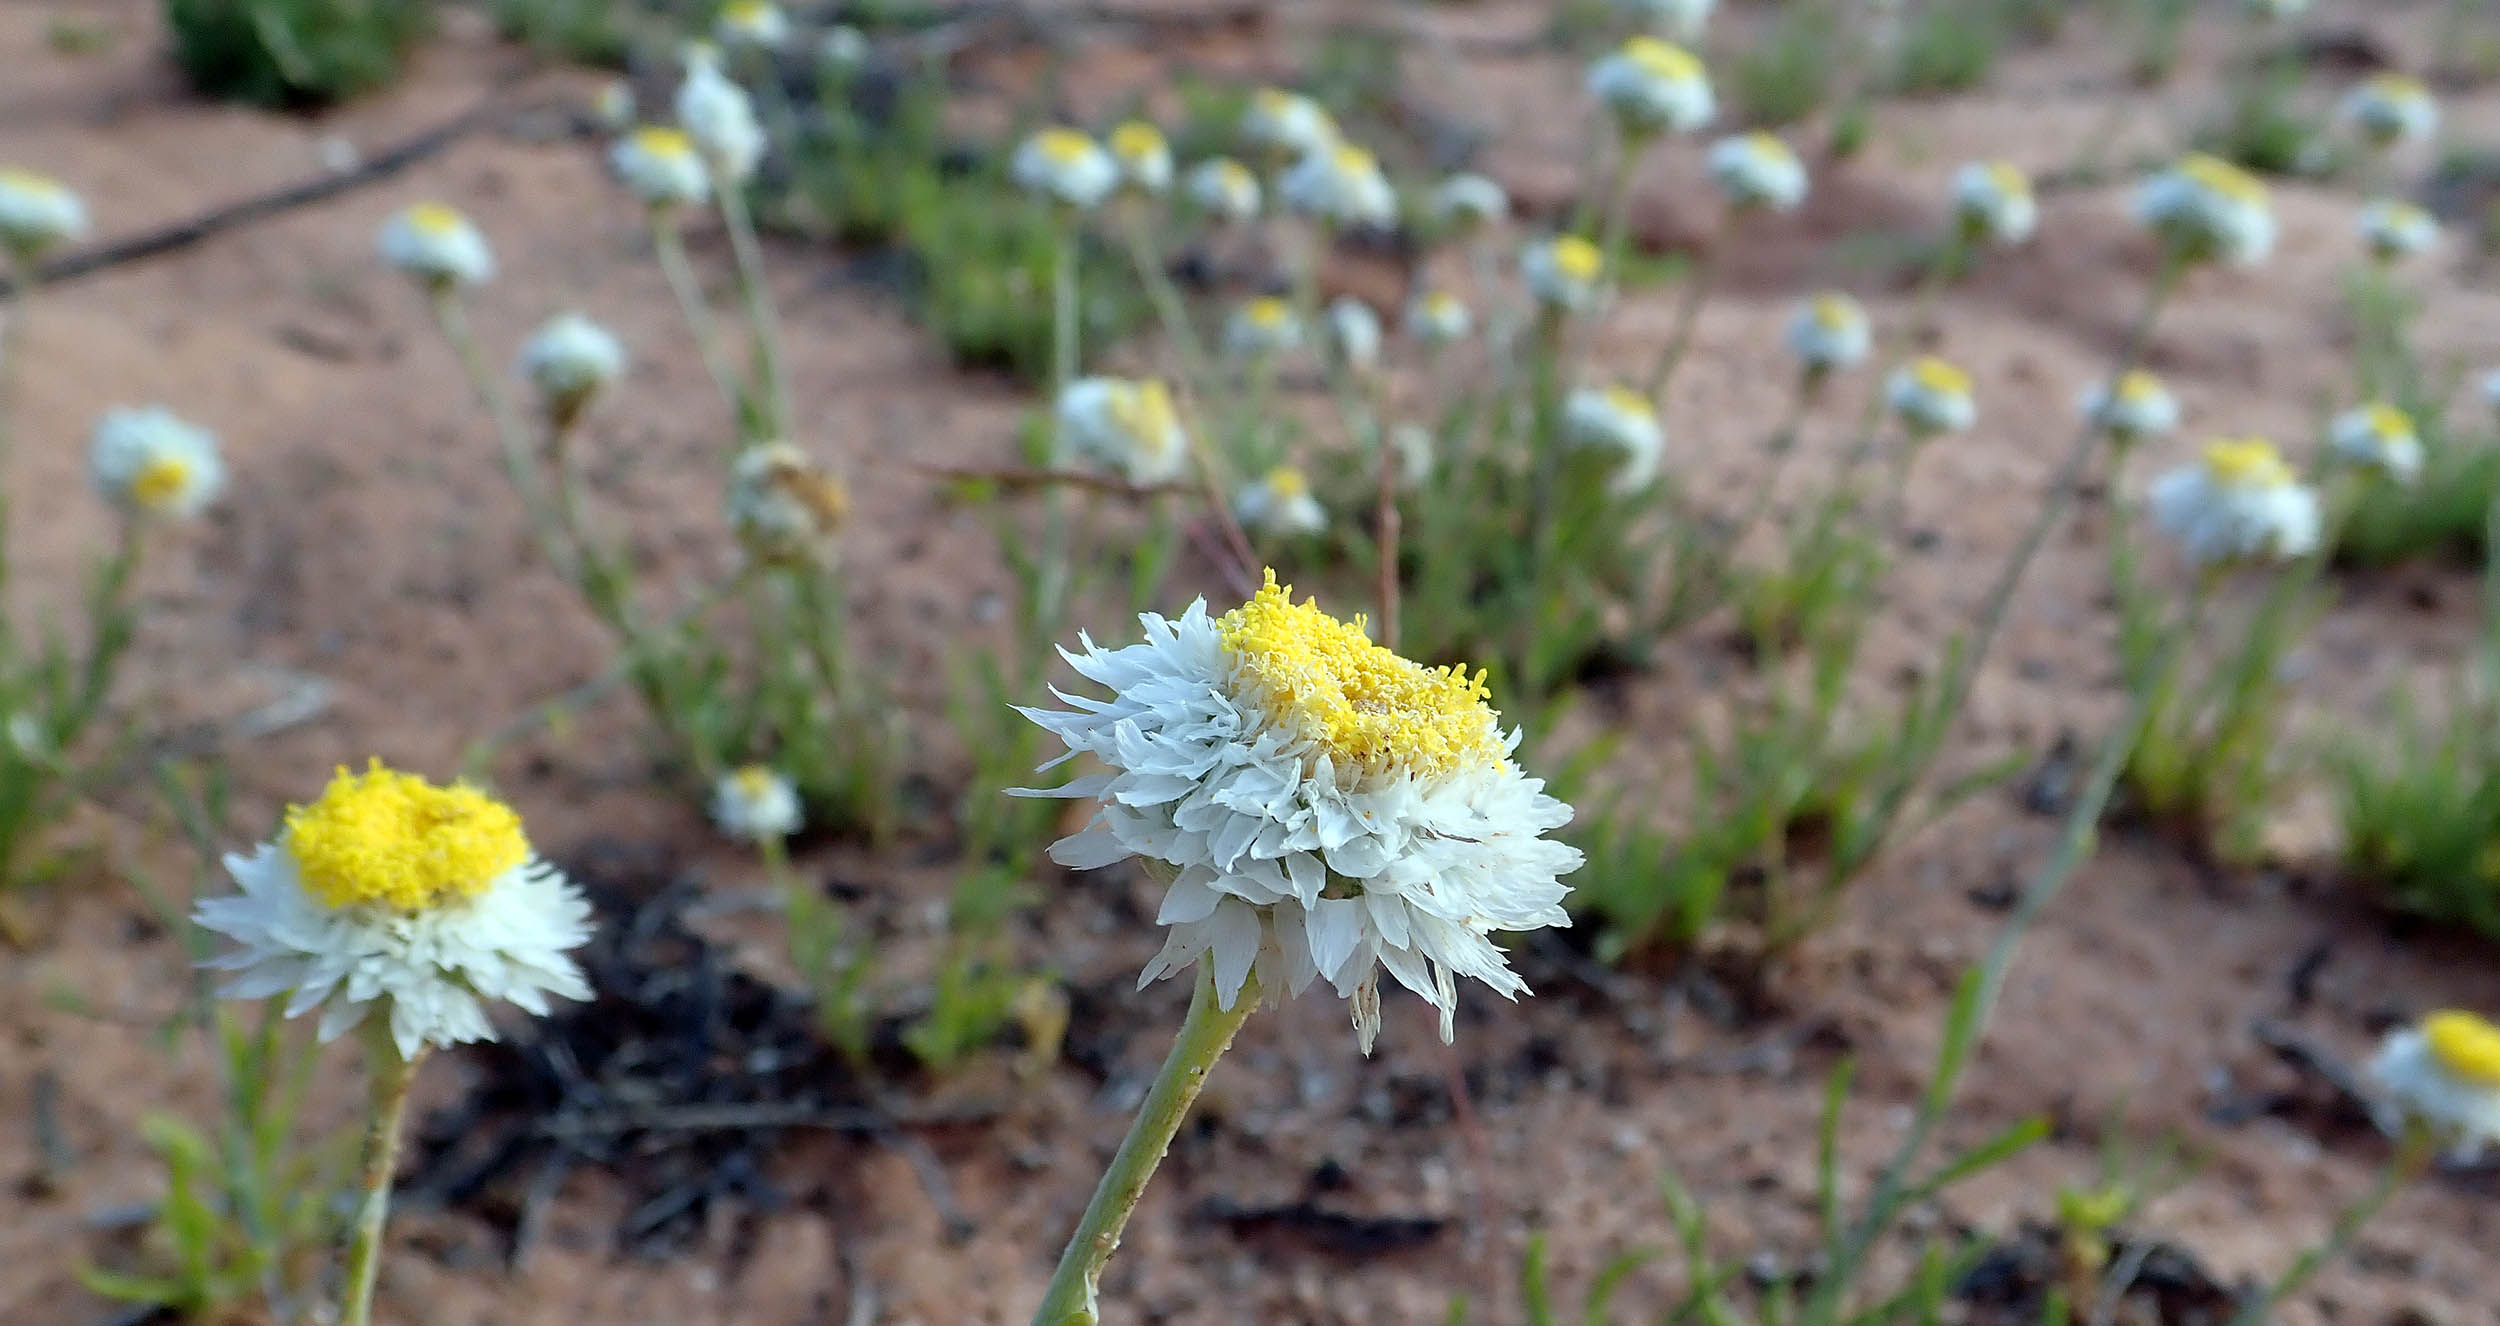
{"x": 392, "y": 897}
{"x": 1992, "y": 201}
{"x": 2443, "y": 1073}
{"x": 437, "y": 245}
{"x": 1280, "y": 502}
{"x": 1653, "y": 87}
{"x": 661, "y": 166}
{"x": 1224, "y": 189}
{"x": 1438, "y": 317}
{"x": 2393, "y": 229}
{"x": 2208, "y": 209}
{"x": 1622, "y": 421}
{"x": 1565, "y": 272}
{"x": 2390, "y": 109}
{"x": 2240, "y": 502}
{"x": 719, "y": 118}
{"x": 152, "y": 463}
{"x": 2135, "y": 407}
{"x": 756, "y": 23}
{"x": 571, "y": 359}
{"x": 1065, "y": 166}
{"x": 1467, "y": 203}
{"x": 37, "y": 212}
{"x": 1931, "y": 396}
{"x": 1758, "y": 170}
{"x": 1262, "y": 327}
{"x": 1286, "y": 126}
{"x": 1680, "y": 19}
{"x": 1125, "y": 426}
{"x": 1144, "y": 158}
{"x": 756, "y": 803}
{"x": 783, "y": 505}
{"x": 1322, "y": 807}
{"x": 2377, "y": 437}
{"x": 1341, "y": 185}
{"x": 1827, "y": 332}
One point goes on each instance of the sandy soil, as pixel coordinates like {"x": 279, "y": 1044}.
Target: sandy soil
{"x": 370, "y": 568}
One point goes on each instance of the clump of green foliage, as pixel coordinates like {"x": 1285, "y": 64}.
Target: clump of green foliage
{"x": 2421, "y": 817}
{"x": 294, "y": 53}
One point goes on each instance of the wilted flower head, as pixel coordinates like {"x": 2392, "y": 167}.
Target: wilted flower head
{"x": 1225, "y": 189}
{"x": 1680, "y": 19}
{"x": 1065, "y": 166}
{"x": 37, "y": 212}
{"x": 2396, "y": 229}
{"x": 1260, "y": 327}
{"x": 1123, "y": 426}
{"x": 784, "y": 506}
{"x": 1758, "y": 170}
{"x": 1468, "y": 202}
{"x": 436, "y": 245}
{"x": 1280, "y": 502}
{"x": 1144, "y": 158}
{"x": 758, "y": 23}
{"x": 661, "y": 166}
{"x": 2240, "y": 502}
{"x": 570, "y": 359}
{"x": 2139, "y": 407}
{"x": 1322, "y": 807}
{"x": 2208, "y": 209}
{"x": 1354, "y": 333}
{"x": 1622, "y": 421}
{"x": 1992, "y": 201}
{"x": 1564, "y": 272}
{"x": 719, "y": 117}
{"x": 2379, "y": 437}
{"x": 2392, "y": 108}
{"x": 151, "y": 463}
{"x": 755, "y": 803}
{"x": 1828, "y": 331}
{"x": 391, "y": 897}
{"x": 2443, "y": 1074}
{"x": 1286, "y": 126}
{"x": 1341, "y": 185}
{"x": 613, "y": 105}
{"x": 1931, "y": 396}
{"x": 1437, "y": 317}
{"x": 1653, "y": 87}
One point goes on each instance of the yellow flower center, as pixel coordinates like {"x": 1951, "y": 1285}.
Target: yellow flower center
{"x": 663, "y": 143}
{"x": 436, "y": 220}
{"x": 1233, "y": 176}
{"x": 159, "y": 482}
{"x": 754, "y": 782}
{"x": 2220, "y": 177}
{"x": 2388, "y": 422}
{"x": 1769, "y": 147}
{"x": 2007, "y": 179}
{"x": 748, "y": 13}
{"x": 1577, "y": 258}
{"x": 1288, "y": 483}
{"x": 1629, "y": 402}
{"x": 2248, "y": 462}
{"x": 1145, "y": 413}
{"x": 1662, "y": 59}
{"x": 1137, "y": 141}
{"x": 1834, "y": 313}
{"x": 1275, "y": 102}
{"x": 2392, "y": 215}
{"x": 1441, "y": 304}
{"x": 395, "y": 840}
{"x": 1368, "y": 708}
{"x": 1939, "y": 378}
{"x": 2466, "y": 1045}
{"x": 1064, "y": 147}
{"x": 2399, "y": 88}
{"x": 13, "y": 180}
{"x": 1353, "y": 161}
{"x": 2139, "y": 388}
{"x": 1268, "y": 313}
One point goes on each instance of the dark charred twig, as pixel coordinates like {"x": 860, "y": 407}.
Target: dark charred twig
{"x": 672, "y": 1118}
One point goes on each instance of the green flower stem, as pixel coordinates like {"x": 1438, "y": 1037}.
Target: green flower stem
{"x": 1204, "y": 1036}
{"x": 392, "y": 1076}
{"x": 668, "y": 245}
{"x": 514, "y": 440}
{"x": 17, "y": 299}
{"x": 1781, "y": 445}
{"x": 1199, "y": 376}
{"x": 1051, "y": 592}
{"x": 1948, "y": 259}
{"x": 1697, "y": 285}
{"x": 2415, "y": 1150}
{"x": 772, "y": 391}
{"x": 1615, "y": 220}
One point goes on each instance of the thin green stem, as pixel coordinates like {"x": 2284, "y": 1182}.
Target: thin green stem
{"x": 1205, "y": 1034}
{"x": 513, "y": 440}
{"x": 392, "y": 1076}
{"x": 1697, "y": 284}
{"x": 2415, "y": 1150}
{"x": 668, "y": 245}
{"x": 1898, "y": 348}
{"x": 772, "y": 389}
{"x": 1781, "y": 445}
{"x": 1051, "y": 593}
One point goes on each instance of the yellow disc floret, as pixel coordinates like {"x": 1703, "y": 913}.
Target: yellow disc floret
{"x": 160, "y": 482}
{"x": 1137, "y": 140}
{"x": 1663, "y": 59}
{"x": 1939, "y": 377}
{"x": 1064, "y": 147}
{"x": 2388, "y": 422}
{"x": 1632, "y": 403}
{"x": 2139, "y": 388}
{"x": 389, "y": 839}
{"x": 2223, "y": 179}
{"x": 2466, "y": 1045}
{"x": 1577, "y": 258}
{"x": 1833, "y": 312}
{"x": 1370, "y": 709}
{"x": 662, "y": 143}
{"x": 2008, "y": 179}
{"x": 1268, "y": 311}
{"x": 436, "y": 219}
{"x": 2247, "y": 462}
{"x": 1145, "y": 413}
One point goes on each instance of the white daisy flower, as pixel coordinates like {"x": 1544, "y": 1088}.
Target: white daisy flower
{"x": 1341, "y": 185}
{"x": 37, "y": 213}
{"x": 660, "y": 166}
{"x": 2380, "y": 437}
{"x": 843, "y": 47}
{"x": 2396, "y": 229}
{"x": 1827, "y": 332}
{"x": 1992, "y": 200}
{"x": 1322, "y": 807}
{"x": 1931, "y": 396}
{"x": 719, "y": 116}
{"x": 1225, "y": 189}
{"x": 1262, "y": 327}
{"x": 2392, "y": 108}
{"x": 783, "y": 505}
{"x": 1065, "y": 166}
{"x": 1653, "y": 87}
{"x": 1437, "y": 317}
{"x": 1469, "y": 202}
{"x": 1564, "y": 272}
{"x": 2240, "y": 502}
{"x": 1758, "y": 170}
{"x": 2444, "y": 1073}
{"x": 1280, "y": 502}
{"x": 1412, "y": 443}
{"x": 755, "y": 804}
{"x": 571, "y": 359}
{"x": 1620, "y": 420}
{"x": 613, "y": 106}
{"x": 2139, "y": 407}
{"x": 751, "y": 23}
{"x": 2209, "y": 209}
{"x": 1127, "y": 427}
{"x": 1354, "y": 333}
{"x": 1286, "y": 126}
{"x": 1681, "y": 19}
{"x": 391, "y": 897}
{"x": 436, "y": 245}
{"x": 149, "y": 462}
{"x": 1144, "y": 158}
